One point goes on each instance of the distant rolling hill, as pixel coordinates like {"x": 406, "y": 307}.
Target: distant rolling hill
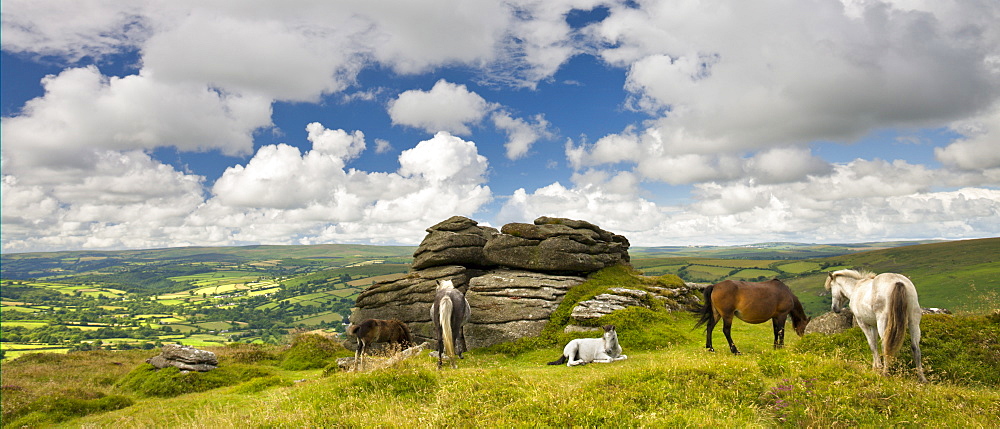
{"x": 957, "y": 275}
{"x": 760, "y": 251}
{"x": 285, "y": 259}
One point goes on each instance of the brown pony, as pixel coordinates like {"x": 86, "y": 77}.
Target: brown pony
{"x": 378, "y": 331}
{"x": 752, "y": 303}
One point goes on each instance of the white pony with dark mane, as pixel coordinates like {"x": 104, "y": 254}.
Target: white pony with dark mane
{"x": 585, "y": 350}
{"x": 885, "y": 306}
{"x": 449, "y": 312}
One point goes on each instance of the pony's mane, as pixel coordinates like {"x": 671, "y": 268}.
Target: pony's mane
{"x": 854, "y": 274}
{"x": 798, "y": 313}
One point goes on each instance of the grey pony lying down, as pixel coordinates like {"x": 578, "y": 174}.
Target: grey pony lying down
{"x": 585, "y": 350}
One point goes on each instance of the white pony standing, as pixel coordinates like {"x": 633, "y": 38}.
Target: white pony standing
{"x": 885, "y": 306}
{"x": 585, "y": 350}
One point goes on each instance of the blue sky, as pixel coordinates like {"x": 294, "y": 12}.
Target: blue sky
{"x": 150, "y": 124}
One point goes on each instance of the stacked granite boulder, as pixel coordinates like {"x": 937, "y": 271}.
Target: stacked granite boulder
{"x": 513, "y": 278}
{"x": 556, "y": 245}
{"x": 456, "y": 241}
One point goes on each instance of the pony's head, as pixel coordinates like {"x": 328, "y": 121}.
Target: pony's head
{"x": 445, "y": 284}
{"x": 609, "y": 332}
{"x": 836, "y": 291}
{"x": 800, "y": 325}
{"x": 841, "y": 284}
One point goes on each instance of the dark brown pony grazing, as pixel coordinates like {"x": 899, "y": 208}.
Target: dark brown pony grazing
{"x": 378, "y": 331}
{"x": 752, "y": 303}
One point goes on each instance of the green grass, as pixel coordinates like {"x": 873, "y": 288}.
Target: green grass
{"x": 676, "y": 385}
{"x": 669, "y": 380}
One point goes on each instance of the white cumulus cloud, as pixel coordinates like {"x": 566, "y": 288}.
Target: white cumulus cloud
{"x": 446, "y": 107}
{"x": 83, "y": 110}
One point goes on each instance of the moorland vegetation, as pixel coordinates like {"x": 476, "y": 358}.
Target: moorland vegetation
{"x": 668, "y": 380}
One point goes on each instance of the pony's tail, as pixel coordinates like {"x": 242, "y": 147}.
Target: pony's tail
{"x": 706, "y": 310}
{"x": 896, "y": 320}
{"x": 560, "y": 361}
{"x": 444, "y": 317}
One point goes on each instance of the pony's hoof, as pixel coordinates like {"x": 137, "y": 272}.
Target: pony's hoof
{"x": 710, "y": 349}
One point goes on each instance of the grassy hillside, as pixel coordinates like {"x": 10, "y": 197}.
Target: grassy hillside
{"x": 666, "y": 382}
{"x": 957, "y": 275}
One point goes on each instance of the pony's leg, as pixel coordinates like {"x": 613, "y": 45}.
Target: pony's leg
{"x": 574, "y": 362}
{"x": 881, "y": 327}
{"x": 779, "y": 331}
{"x": 603, "y": 358}
{"x": 727, "y": 327}
{"x": 708, "y": 334}
{"x": 460, "y": 345}
{"x": 359, "y": 354}
{"x": 574, "y": 352}
{"x": 915, "y": 347}
{"x": 440, "y": 348}
{"x": 871, "y": 334}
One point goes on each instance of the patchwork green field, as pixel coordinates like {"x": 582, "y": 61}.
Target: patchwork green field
{"x": 215, "y": 296}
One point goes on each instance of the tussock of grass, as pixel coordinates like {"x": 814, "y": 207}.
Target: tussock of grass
{"x": 148, "y": 381}
{"x": 248, "y": 353}
{"x": 311, "y": 351}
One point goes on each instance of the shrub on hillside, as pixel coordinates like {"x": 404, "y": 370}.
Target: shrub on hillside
{"x": 147, "y": 380}
{"x": 311, "y": 351}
